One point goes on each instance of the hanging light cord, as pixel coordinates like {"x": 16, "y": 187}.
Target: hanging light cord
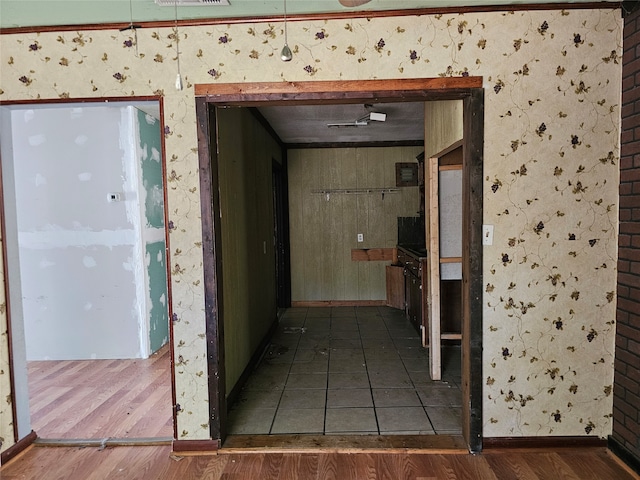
{"x": 286, "y": 40}
{"x": 135, "y": 30}
{"x": 133, "y": 27}
{"x": 179, "y": 76}
{"x": 285, "y": 54}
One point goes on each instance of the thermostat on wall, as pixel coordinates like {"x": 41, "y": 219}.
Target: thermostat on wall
{"x": 114, "y": 197}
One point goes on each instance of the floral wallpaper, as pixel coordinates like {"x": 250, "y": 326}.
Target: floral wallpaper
{"x": 6, "y": 414}
{"x": 552, "y": 93}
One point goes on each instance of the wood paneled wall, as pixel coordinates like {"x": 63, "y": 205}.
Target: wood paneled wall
{"x": 246, "y": 151}
{"x": 442, "y": 125}
{"x": 324, "y": 228}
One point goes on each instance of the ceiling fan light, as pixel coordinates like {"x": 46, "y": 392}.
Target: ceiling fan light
{"x": 353, "y": 3}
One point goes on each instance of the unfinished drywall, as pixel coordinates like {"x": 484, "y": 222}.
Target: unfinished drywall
{"x": 149, "y": 162}
{"x": 81, "y": 260}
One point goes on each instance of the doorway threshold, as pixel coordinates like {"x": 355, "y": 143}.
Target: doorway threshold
{"x": 441, "y": 444}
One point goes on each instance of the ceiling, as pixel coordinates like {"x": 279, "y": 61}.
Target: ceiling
{"x": 308, "y": 124}
{"x": 25, "y": 13}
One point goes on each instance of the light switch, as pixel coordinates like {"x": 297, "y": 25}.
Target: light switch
{"x": 487, "y": 234}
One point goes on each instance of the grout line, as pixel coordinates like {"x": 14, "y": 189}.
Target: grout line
{"x": 326, "y": 392}
{"x": 366, "y": 367}
{"x": 362, "y": 349}
{"x": 275, "y": 413}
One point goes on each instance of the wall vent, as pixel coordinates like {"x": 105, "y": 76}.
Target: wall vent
{"x": 191, "y": 3}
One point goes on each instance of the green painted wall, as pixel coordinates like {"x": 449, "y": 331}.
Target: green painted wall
{"x": 159, "y": 316}
{"x": 150, "y": 148}
{"x": 249, "y": 308}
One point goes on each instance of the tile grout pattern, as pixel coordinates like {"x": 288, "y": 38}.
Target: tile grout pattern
{"x": 348, "y": 370}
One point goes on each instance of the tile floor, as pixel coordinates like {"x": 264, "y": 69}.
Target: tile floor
{"x": 348, "y": 370}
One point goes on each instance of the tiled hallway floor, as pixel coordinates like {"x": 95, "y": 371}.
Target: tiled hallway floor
{"x": 348, "y": 370}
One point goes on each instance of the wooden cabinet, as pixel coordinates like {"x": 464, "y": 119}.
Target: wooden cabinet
{"x": 395, "y": 286}
{"x": 414, "y": 268}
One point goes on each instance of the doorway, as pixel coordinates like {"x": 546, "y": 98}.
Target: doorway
{"x": 467, "y": 89}
{"x": 85, "y": 239}
{"x": 280, "y": 236}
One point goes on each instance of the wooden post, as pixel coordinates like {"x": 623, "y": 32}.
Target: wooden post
{"x": 435, "y": 367}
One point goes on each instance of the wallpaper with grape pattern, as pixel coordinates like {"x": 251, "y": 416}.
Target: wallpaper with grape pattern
{"x": 552, "y": 92}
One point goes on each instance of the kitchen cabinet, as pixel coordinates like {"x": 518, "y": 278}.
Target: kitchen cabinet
{"x": 413, "y": 261}
{"x": 395, "y": 286}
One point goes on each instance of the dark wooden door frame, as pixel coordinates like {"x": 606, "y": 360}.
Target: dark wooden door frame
{"x": 467, "y": 89}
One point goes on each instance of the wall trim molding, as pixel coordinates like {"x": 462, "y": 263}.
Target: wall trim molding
{"x": 310, "y": 17}
{"x": 195, "y": 447}
{"x": 624, "y": 454}
{"x": 543, "y": 442}
{"x": 18, "y": 447}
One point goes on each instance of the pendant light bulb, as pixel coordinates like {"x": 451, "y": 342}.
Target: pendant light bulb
{"x": 178, "y": 81}
{"x": 285, "y": 54}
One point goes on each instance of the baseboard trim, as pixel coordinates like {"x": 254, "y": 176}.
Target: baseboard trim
{"x": 19, "y": 447}
{"x": 624, "y": 454}
{"x": 340, "y": 303}
{"x": 195, "y": 447}
{"x": 542, "y": 442}
{"x": 103, "y": 443}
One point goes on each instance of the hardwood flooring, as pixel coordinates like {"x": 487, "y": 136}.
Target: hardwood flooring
{"x": 144, "y": 463}
{"x": 88, "y": 399}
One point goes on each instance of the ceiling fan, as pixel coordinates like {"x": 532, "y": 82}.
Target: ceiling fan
{"x": 362, "y": 121}
{"x": 353, "y": 3}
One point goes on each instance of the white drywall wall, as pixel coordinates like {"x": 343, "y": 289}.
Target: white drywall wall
{"x": 80, "y": 258}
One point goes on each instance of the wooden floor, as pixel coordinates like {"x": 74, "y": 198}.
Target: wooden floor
{"x": 156, "y": 463}
{"x": 89, "y": 399}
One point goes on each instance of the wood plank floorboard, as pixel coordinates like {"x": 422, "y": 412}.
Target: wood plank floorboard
{"x": 102, "y": 398}
{"x": 157, "y": 462}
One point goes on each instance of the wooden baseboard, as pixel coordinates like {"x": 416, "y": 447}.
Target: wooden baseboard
{"x": 623, "y": 453}
{"x": 340, "y": 303}
{"x": 195, "y": 447}
{"x": 18, "y": 447}
{"x": 542, "y": 442}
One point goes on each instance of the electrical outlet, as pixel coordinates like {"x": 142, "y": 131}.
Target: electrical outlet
{"x": 360, "y": 237}
{"x": 487, "y": 234}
